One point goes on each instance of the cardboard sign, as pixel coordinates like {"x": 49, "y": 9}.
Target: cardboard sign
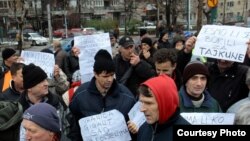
{"x": 222, "y": 42}
{"x": 107, "y": 126}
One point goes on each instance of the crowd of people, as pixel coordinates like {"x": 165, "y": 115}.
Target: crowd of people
{"x": 161, "y": 74}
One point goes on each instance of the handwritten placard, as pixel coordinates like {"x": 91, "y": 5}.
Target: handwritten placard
{"x": 222, "y": 42}
{"x": 209, "y": 118}
{"x": 89, "y": 45}
{"x": 107, "y": 126}
{"x": 44, "y": 60}
{"x": 136, "y": 115}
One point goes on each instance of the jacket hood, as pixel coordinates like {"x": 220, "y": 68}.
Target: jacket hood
{"x": 165, "y": 91}
{"x": 10, "y": 114}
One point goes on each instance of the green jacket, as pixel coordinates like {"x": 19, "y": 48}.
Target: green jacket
{"x": 10, "y": 120}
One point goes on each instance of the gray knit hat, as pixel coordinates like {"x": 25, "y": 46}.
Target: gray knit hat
{"x": 44, "y": 115}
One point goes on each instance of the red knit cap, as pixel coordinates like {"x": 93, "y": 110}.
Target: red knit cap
{"x": 165, "y": 91}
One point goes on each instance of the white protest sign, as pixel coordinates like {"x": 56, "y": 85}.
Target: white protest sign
{"x": 107, "y": 126}
{"x": 44, "y": 60}
{"x": 209, "y": 118}
{"x": 222, "y": 42}
{"x": 136, "y": 115}
{"x": 89, "y": 45}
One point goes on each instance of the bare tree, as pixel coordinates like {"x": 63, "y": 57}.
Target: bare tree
{"x": 129, "y": 10}
{"x": 20, "y": 13}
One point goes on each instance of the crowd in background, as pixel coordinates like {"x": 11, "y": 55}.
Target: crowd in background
{"x": 161, "y": 73}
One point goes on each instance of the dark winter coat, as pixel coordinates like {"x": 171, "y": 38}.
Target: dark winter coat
{"x": 88, "y": 101}
{"x": 139, "y": 73}
{"x": 161, "y": 132}
{"x": 10, "y": 93}
{"x": 229, "y": 86}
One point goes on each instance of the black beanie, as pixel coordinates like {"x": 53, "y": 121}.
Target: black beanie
{"x": 193, "y": 68}
{"x": 103, "y": 62}
{"x": 32, "y": 75}
{"x": 7, "y": 53}
{"x": 147, "y": 41}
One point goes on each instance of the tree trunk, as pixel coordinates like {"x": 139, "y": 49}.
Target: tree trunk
{"x": 199, "y": 18}
{"x": 168, "y": 6}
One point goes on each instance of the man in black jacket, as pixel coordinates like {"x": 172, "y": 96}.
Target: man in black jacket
{"x": 129, "y": 68}
{"x": 36, "y": 91}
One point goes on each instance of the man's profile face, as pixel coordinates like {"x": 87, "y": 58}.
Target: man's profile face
{"x": 149, "y": 107}
{"x": 34, "y": 132}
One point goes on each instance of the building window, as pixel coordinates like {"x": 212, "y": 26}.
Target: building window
{"x": 230, "y": 4}
{"x": 3, "y": 4}
{"x": 221, "y": 4}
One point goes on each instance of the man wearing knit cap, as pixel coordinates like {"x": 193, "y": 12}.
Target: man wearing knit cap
{"x": 36, "y": 91}
{"x": 9, "y": 57}
{"x": 160, "y": 105}
{"x": 193, "y": 94}
{"x": 103, "y": 93}
{"x": 41, "y": 123}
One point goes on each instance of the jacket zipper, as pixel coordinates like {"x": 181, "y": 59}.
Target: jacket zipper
{"x": 154, "y": 131}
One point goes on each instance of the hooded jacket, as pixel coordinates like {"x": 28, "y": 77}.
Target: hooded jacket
{"x": 10, "y": 120}
{"x": 165, "y": 92}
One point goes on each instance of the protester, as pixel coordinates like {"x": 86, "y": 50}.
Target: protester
{"x": 193, "y": 94}
{"x": 9, "y": 57}
{"x": 16, "y": 84}
{"x": 147, "y": 50}
{"x": 71, "y": 63}
{"x": 227, "y": 82}
{"x": 41, "y": 123}
{"x": 130, "y": 69}
{"x": 160, "y": 105}
{"x": 114, "y": 44}
{"x": 235, "y": 107}
{"x": 165, "y": 61}
{"x": 178, "y": 42}
{"x": 10, "y": 120}
{"x": 103, "y": 93}
{"x": 163, "y": 41}
{"x": 59, "y": 53}
{"x": 36, "y": 91}
{"x": 227, "y": 79}
{"x": 242, "y": 115}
